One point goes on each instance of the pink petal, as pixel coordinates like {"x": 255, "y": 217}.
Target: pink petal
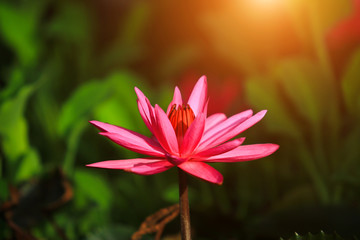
{"x": 219, "y": 133}
{"x": 144, "y": 113}
{"x": 151, "y": 112}
{"x": 129, "y": 139}
{"x": 151, "y": 168}
{"x": 164, "y": 132}
{"x": 198, "y": 97}
{"x": 245, "y": 153}
{"x": 106, "y": 127}
{"x": 123, "y": 164}
{"x": 244, "y": 125}
{"x": 141, "y": 96}
{"x": 136, "y": 142}
{"x": 213, "y": 120}
{"x": 206, "y": 107}
{"x": 223, "y": 148}
{"x": 203, "y": 171}
{"x": 145, "y": 108}
{"x": 193, "y": 135}
{"x": 177, "y": 99}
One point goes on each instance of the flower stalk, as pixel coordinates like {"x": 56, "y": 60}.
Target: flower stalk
{"x": 184, "y": 206}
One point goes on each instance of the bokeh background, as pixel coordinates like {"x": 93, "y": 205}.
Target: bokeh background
{"x": 63, "y": 63}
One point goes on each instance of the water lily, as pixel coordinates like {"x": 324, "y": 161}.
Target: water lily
{"x": 185, "y": 137}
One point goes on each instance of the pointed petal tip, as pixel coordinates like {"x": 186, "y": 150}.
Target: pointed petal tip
{"x": 93, "y": 122}
{"x": 141, "y": 96}
{"x": 157, "y": 108}
{"x": 102, "y": 164}
{"x": 198, "y": 97}
{"x": 99, "y": 124}
{"x": 262, "y": 112}
{"x": 248, "y": 112}
{"x": 203, "y": 78}
{"x": 272, "y": 147}
{"x": 92, "y": 165}
{"x": 245, "y": 153}
{"x": 275, "y": 147}
{"x": 177, "y": 99}
{"x": 220, "y": 183}
{"x": 137, "y": 89}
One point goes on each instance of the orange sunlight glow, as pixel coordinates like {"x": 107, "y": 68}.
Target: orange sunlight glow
{"x": 265, "y": 5}
{"x": 265, "y": 1}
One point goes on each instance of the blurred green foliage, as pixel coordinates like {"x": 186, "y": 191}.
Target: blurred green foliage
{"x": 67, "y": 62}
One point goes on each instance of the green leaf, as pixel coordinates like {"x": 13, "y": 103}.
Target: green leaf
{"x": 351, "y": 84}
{"x": 23, "y": 161}
{"x": 72, "y": 142}
{"x": 18, "y": 26}
{"x": 81, "y": 104}
{"x": 12, "y": 109}
{"x": 15, "y": 139}
{"x": 113, "y": 111}
{"x": 13, "y": 126}
{"x": 121, "y": 108}
{"x": 14, "y": 82}
{"x": 111, "y": 100}
{"x": 102, "y": 98}
{"x": 92, "y": 187}
{"x": 29, "y": 165}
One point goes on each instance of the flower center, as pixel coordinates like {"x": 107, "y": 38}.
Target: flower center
{"x": 181, "y": 118}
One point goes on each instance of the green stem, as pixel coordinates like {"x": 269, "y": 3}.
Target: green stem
{"x": 184, "y": 207}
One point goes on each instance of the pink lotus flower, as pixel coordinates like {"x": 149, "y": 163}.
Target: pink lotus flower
{"x": 185, "y": 137}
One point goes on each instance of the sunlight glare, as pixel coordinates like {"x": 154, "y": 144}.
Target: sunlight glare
{"x": 265, "y": 4}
